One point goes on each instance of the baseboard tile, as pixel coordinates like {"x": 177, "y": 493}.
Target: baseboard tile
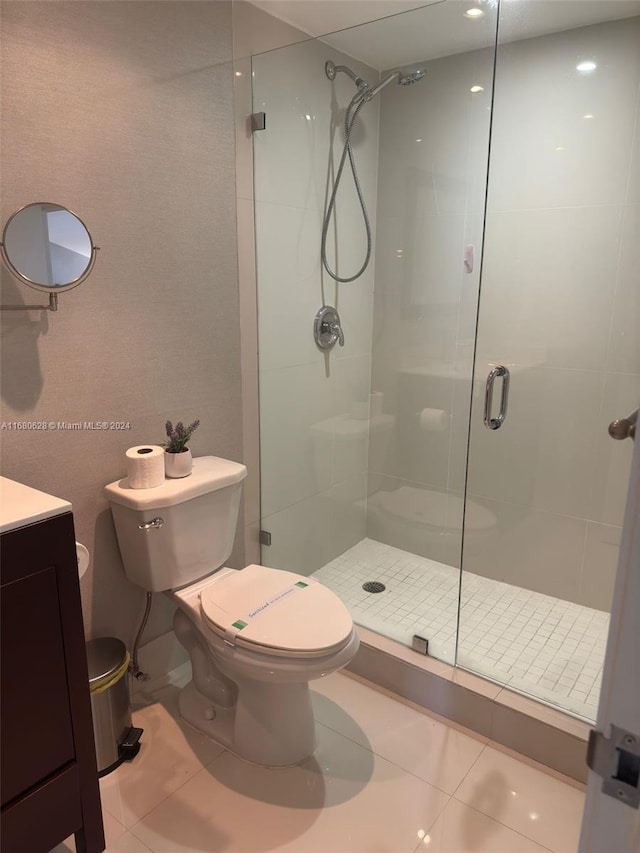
{"x": 518, "y": 722}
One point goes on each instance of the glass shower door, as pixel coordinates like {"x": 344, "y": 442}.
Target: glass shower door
{"x": 559, "y": 324}
{"x": 363, "y": 446}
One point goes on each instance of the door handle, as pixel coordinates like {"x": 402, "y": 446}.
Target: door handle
{"x": 624, "y": 427}
{"x": 489, "y": 422}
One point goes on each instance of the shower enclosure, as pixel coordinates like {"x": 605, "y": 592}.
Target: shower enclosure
{"x": 447, "y": 470}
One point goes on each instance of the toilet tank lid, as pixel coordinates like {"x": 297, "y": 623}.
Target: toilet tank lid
{"x": 209, "y": 474}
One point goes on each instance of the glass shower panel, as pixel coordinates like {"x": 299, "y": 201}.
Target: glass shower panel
{"x": 559, "y": 310}
{"x": 363, "y": 448}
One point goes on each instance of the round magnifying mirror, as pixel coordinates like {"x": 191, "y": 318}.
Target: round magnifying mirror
{"x": 48, "y": 247}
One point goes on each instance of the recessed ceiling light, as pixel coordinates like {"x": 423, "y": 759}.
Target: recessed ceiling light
{"x": 586, "y": 66}
{"x": 238, "y": 73}
{"x": 475, "y": 89}
{"x": 418, "y": 140}
{"x": 474, "y": 13}
{"x": 588, "y": 115}
{"x": 560, "y": 148}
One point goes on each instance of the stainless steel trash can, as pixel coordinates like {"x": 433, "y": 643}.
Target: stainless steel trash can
{"x": 115, "y": 738}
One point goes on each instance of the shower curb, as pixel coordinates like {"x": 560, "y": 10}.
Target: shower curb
{"x": 524, "y": 725}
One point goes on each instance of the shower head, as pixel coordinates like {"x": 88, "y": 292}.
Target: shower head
{"x": 406, "y": 78}
{"x": 401, "y": 76}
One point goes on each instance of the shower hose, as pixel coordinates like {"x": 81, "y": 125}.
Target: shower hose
{"x": 355, "y": 105}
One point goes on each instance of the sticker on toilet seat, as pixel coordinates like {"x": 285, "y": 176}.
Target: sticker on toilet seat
{"x": 240, "y": 624}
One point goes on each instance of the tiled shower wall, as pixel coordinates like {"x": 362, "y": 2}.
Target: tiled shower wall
{"x": 434, "y": 139}
{"x": 559, "y": 306}
{"x": 313, "y": 407}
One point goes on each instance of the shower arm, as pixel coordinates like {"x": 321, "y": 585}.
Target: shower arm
{"x": 331, "y": 69}
{"x": 371, "y": 93}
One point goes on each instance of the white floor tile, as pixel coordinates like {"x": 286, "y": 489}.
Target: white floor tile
{"x": 542, "y": 645}
{"x": 193, "y": 796}
{"x": 127, "y": 843}
{"x": 414, "y": 741}
{"x": 114, "y": 832}
{"x": 461, "y": 829}
{"x": 171, "y": 753}
{"x": 524, "y": 798}
{"x": 344, "y": 800}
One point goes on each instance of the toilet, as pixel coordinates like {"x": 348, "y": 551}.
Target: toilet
{"x": 256, "y": 636}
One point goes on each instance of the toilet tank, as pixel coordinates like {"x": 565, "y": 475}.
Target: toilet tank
{"x": 183, "y": 530}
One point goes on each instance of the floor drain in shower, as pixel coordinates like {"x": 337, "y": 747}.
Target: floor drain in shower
{"x": 373, "y": 586}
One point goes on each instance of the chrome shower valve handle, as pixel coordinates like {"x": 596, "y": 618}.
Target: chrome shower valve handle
{"x": 327, "y": 328}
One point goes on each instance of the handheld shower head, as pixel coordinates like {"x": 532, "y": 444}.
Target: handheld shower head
{"x": 402, "y": 77}
{"x": 406, "y": 78}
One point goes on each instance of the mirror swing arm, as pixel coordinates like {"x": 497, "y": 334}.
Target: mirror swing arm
{"x": 52, "y": 306}
{"x": 34, "y": 248}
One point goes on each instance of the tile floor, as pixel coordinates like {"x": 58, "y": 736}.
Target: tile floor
{"x": 386, "y": 778}
{"x": 544, "y": 646}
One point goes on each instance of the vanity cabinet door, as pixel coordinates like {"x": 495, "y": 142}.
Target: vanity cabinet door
{"x": 37, "y": 736}
{"x": 49, "y": 775}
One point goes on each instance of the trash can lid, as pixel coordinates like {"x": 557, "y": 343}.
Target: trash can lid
{"x": 105, "y": 656}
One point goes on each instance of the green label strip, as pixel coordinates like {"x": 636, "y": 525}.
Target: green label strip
{"x": 239, "y": 624}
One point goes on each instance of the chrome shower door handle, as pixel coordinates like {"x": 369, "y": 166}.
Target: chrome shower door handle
{"x": 489, "y": 422}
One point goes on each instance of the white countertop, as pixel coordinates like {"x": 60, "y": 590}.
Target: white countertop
{"x": 21, "y": 505}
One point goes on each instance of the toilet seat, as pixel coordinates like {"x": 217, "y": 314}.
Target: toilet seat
{"x": 276, "y": 613}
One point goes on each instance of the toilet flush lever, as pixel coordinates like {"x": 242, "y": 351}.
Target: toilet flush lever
{"x": 154, "y": 524}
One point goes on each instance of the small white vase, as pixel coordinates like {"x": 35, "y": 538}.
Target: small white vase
{"x": 178, "y": 464}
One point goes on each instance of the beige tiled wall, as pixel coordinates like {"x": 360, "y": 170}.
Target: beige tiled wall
{"x": 122, "y": 112}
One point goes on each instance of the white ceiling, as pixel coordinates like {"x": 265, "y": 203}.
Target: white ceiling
{"x": 319, "y": 17}
{"x": 440, "y": 28}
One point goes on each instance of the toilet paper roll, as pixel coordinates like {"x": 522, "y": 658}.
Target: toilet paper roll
{"x": 145, "y": 466}
{"x": 83, "y": 559}
{"x": 433, "y": 420}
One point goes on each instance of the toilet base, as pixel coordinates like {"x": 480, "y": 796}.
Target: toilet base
{"x": 281, "y": 734}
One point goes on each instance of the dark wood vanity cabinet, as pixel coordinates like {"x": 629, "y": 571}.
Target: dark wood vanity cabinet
{"x": 49, "y": 779}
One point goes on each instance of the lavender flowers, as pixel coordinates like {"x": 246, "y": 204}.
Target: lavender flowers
{"x": 179, "y": 436}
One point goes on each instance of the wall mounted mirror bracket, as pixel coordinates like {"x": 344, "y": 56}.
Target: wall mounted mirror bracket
{"x": 49, "y": 248}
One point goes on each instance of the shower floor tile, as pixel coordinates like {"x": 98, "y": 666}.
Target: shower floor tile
{"x": 544, "y": 646}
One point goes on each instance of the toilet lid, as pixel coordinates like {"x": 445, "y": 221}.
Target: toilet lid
{"x": 277, "y": 611}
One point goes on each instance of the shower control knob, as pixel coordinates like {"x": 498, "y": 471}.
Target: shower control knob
{"x": 327, "y": 328}
{"x": 336, "y": 329}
